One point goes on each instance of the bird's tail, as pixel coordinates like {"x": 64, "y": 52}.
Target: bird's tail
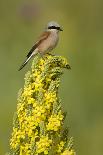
{"x": 26, "y": 61}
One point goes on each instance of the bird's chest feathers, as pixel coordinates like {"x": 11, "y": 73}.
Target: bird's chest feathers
{"x": 53, "y": 40}
{"x": 50, "y": 42}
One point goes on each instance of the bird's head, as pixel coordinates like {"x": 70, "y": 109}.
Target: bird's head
{"x": 54, "y": 26}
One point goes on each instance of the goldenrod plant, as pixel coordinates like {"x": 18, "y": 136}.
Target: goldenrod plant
{"x": 38, "y": 125}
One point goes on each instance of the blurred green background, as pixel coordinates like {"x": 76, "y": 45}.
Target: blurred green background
{"x": 81, "y": 43}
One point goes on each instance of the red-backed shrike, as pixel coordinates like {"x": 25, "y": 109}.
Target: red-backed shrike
{"x": 46, "y": 42}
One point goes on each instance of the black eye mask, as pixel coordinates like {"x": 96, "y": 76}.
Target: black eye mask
{"x": 54, "y": 27}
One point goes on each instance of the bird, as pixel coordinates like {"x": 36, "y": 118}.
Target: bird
{"x": 45, "y": 43}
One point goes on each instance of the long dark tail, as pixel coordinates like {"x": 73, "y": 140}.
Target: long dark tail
{"x": 32, "y": 52}
{"x": 27, "y": 59}
{"x": 25, "y": 62}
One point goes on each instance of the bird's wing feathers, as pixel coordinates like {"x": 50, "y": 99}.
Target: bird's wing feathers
{"x": 44, "y": 36}
{"x": 40, "y": 40}
{"x": 30, "y": 54}
{"x": 31, "y": 50}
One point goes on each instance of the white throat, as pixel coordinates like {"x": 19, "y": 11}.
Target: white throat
{"x": 53, "y": 30}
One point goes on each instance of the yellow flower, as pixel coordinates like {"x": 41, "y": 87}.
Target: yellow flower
{"x": 30, "y": 100}
{"x": 67, "y": 152}
{"x": 39, "y": 117}
{"x": 60, "y": 146}
{"x": 43, "y": 145}
{"x": 54, "y": 122}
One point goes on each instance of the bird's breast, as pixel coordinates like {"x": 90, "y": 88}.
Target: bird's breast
{"x": 49, "y": 43}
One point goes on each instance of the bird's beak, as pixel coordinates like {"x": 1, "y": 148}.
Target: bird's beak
{"x": 61, "y": 29}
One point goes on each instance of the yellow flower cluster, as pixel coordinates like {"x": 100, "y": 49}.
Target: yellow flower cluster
{"x": 54, "y": 122}
{"x": 60, "y": 146}
{"x": 39, "y": 118}
{"x": 43, "y": 145}
{"x": 68, "y": 152}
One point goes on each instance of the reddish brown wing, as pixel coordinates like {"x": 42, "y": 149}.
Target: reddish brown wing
{"x": 41, "y": 38}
